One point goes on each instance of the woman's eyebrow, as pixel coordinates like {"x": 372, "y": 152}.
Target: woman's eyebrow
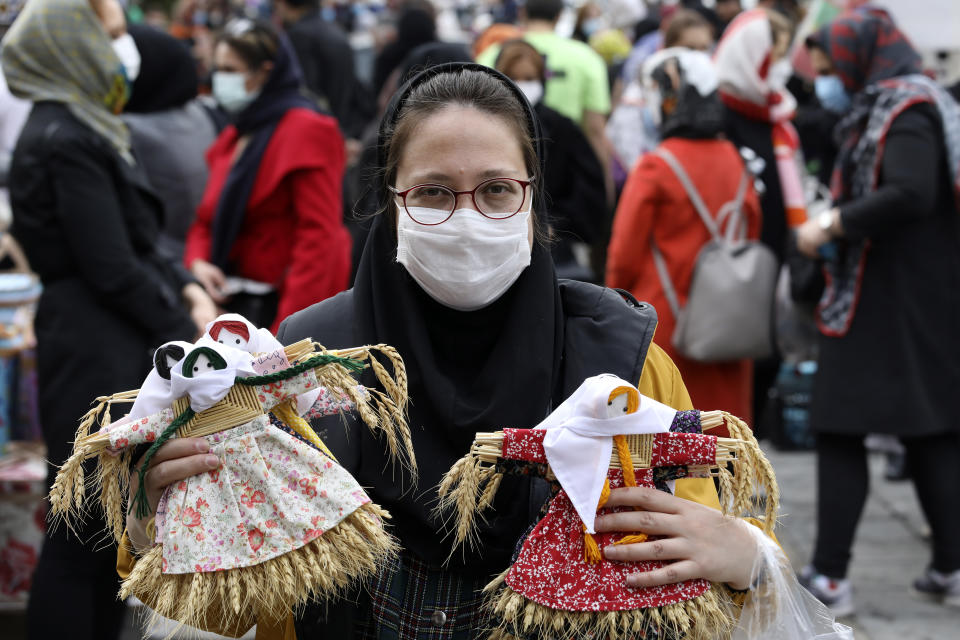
{"x": 439, "y": 176}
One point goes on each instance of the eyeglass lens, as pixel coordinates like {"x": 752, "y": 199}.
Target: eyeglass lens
{"x": 432, "y": 204}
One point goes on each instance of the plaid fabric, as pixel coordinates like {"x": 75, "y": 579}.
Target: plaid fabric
{"x": 408, "y": 597}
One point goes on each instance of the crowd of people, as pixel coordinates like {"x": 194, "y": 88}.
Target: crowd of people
{"x": 456, "y": 180}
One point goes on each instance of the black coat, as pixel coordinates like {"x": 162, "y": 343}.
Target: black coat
{"x": 896, "y": 371}
{"x": 326, "y": 58}
{"x": 88, "y": 223}
{"x": 603, "y": 333}
{"x": 757, "y": 136}
{"x": 573, "y": 180}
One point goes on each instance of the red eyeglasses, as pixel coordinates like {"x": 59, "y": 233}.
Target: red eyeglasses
{"x": 433, "y": 204}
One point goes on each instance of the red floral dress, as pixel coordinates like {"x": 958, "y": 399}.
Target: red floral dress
{"x": 549, "y": 567}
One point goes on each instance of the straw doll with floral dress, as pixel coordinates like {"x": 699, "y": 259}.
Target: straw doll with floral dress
{"x": 277, "y": 522}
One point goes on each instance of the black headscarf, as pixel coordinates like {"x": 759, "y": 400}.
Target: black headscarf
{"x": 685, "y": 112}
{"x": 468, "y": 371}
{"x": 279, "y": 94}
{"x": 415, "y": 26}
{"x": 168, "y": 74}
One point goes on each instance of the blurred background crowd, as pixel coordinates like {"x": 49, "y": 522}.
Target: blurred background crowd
{"x": 230, "y": 168}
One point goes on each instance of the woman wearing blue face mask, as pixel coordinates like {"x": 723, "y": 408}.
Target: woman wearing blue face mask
{"x": 889, "y": 315}
{"x": 89, "y": 222}
{"x": 268, "y": 239}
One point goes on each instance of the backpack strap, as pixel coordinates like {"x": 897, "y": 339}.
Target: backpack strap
{"x": 691, "y": 190}
{"x": 736, "y": 228}
{"x": 668, "y": 289}
{"x": 731, "y": 216}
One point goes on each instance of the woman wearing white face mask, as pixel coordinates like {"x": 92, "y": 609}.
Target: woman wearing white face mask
{"x": 89, "y": 223}
{"x": 753, "y": 71}
{"x": 456, "y": 275}
{"x": 268, "y": 239}
{"x": 572, "y": 175}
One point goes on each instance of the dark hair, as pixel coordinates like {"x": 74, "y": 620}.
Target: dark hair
{"x": 302, "y": 3}
{"x": 543, "y": 9}
{"x": 254, "y": 41}
{"x": 680, "y": 21}
{"x": 485, "y": 91}
{"x": 160, "y": 363}
{"x": 513, "y": 51}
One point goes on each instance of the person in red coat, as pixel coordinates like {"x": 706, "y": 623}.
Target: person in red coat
{"x": 656, "y": 209}
{"x": 269, "y": 239}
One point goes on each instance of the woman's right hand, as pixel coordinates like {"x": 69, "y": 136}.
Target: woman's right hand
{"x": 211, "y": 277}
{"x": 176, "y": 460}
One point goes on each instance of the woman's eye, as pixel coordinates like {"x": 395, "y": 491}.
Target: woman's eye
{"x": 498, "y": 188}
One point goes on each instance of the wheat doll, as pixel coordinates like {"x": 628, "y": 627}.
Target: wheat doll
{"x": 279, "y": 521}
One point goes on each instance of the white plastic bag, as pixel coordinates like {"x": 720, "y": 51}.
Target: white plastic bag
{"x": 778, "y": 608}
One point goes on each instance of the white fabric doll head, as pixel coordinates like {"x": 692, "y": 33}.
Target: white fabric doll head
{"x": 155, "y": 393}
{"x": 233, "y": 330}
{"x": 580, "y": 439}
{"x": 207, "y": 373}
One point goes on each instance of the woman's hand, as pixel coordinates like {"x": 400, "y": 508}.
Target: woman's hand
{"x": 811, "y": 235}
{"x": 203, "y": 309}
{"x": 176, "y": 460}
{"x": 698, "y": 542}
{"x": 211, "y": 277}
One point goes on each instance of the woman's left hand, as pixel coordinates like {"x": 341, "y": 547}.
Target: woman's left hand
{"x": 203, "y": 309}
{"x": 697, "y": 541}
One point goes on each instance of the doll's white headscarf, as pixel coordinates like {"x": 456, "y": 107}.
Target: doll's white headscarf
{"x": 155, "y": 394}
{"x": 580, "y": 439}
{"x": 263, "y": 342}
{"x": 211, "y": 387}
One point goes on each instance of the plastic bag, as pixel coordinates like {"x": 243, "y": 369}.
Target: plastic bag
{"x": 778, "y": 608}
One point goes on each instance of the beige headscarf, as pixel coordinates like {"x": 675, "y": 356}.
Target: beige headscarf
{"x": 57, "y": 50}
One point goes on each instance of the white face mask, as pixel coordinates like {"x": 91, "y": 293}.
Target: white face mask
{"x": 126, "y": 50}
{"x": 467, "y": 262}
{"x": 533, "y": 89}
{"x": 230, "y": 91}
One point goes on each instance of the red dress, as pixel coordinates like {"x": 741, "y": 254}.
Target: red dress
{"x": 292, "y": 235}
{"x": 549, "y": 568}
{"x": 655, "y": 206}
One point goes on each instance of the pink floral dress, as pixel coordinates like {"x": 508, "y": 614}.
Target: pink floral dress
{"x": 271, "y": 494}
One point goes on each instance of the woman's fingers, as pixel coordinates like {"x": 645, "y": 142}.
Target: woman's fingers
{"x": 168, "y": 472}
{"x": 669, "y": 574}
{"x": 649, "y": 522}
{"x": 645, "y": 498}
{"x": 180, "y": 448}
{"x": 664, "y": 549}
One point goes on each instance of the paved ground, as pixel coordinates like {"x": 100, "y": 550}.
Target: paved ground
{"x": 891, "y": 550}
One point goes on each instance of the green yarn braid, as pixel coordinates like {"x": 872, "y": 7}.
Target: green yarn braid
{"x": 354, "y": 366}
{"x": 140, "y": 499}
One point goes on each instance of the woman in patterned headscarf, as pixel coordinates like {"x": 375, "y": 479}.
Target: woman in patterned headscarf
{"x": 88, "y": 221}
{"x": 889, "y": 315}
